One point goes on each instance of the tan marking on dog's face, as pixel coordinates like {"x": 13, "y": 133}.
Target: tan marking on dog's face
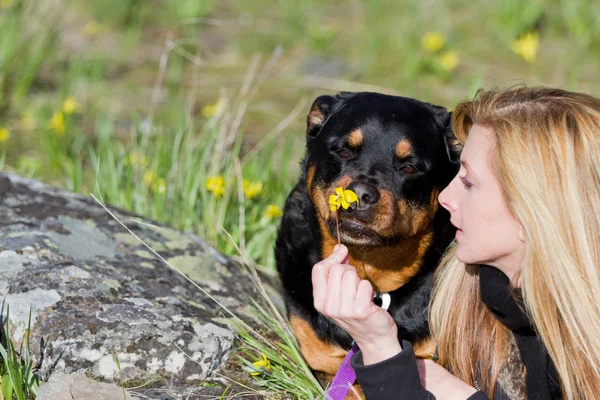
{"x": 316, "y": 196}
{"x": 320, "y": 356}
{"x": 403, "y": 149}
{"x": 390, "y": 267}
{"x": 320, "y": 199}
{"x": 393, "y": 217}
{"x": 329, "y": 241}
{"x": 355, "y": 138}
{"x": 413, "y": 219}
{"x": 434, "y": 204}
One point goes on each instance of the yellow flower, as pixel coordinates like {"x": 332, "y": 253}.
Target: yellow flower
{"x": 149, "y": 178}
{"x": 252, "y": 189}
{"x": 216, "y": 185}
{"x": 70, "y": 105}
{"x": 433, "y": 41}
{"x": 57, "y": 122}
{"x": 210, "y": 110}
{"x": 4, "y": 134}
{"x": 159, "y": 186}
{"x": 136, "y": 160}
{"x": 272, "y": 211}
{"x": 92, "y": 28}
{"x": 527, "y": 46}
{"x": 342, "y": 198}
{"x": 262, "y": 366}
{"x": 4, "y": 4}
{"x": 449, "y": 60}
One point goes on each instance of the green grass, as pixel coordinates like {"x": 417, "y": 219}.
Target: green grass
{"x": 285, "y": 372}
{"x": 146, "y": 77}
{"x": 18, "y": 380}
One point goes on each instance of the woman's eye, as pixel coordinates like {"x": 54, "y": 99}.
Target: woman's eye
{"x": 465, "y": 182}
{"x": 408, "y": 170}
{"x": 343, "y": 154}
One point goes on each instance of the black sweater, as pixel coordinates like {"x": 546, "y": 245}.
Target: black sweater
{"x": 398, "y": 377}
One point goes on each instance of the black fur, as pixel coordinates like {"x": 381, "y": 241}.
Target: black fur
{"x": 384, "y": 121}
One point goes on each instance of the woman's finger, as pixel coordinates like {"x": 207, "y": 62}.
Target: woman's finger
{"x": 320, "y": 274}
{"x": 334, "y": 290}
{"x": 348, "y": 291}
{"x": 321, "y": 269}
{"x": 364, "y": 296}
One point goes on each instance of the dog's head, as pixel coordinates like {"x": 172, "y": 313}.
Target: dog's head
{"x": 395, "y": 153}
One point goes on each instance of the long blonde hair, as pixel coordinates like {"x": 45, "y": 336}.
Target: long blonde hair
{"x": 547, "y": 162}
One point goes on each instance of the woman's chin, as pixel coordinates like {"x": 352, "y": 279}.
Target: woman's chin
{"x": 462, "y": 257}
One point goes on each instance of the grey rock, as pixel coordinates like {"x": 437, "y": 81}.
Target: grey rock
{"x": 63, "y": 386}
{"x": 94, "y": 291}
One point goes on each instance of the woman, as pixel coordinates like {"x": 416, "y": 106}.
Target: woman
{"x": 524, "y": 268}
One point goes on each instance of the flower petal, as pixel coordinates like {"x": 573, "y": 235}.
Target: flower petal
{"x": 350, "y": 196}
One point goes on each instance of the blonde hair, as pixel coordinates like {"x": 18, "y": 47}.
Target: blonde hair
{"x": 547, "y": 162}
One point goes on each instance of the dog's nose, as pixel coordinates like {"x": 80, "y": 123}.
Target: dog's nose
{"x": 367, "y": 194}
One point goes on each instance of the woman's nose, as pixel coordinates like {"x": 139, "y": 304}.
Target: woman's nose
{"x": 445, "y": 198}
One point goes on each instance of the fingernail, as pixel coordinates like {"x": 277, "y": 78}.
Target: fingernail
{"x": 337, "y": 246}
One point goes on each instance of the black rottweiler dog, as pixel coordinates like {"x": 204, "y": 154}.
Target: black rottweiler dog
{"x": 396, "y": 154}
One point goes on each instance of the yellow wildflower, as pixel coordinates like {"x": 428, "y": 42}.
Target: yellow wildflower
{"x": 252, "y": 189}
{"x": 433, "y": 41}
{"x": 149, "y": 178}
{"x": 136, "y": 160}
{"x": 4, "y": 4}
{"x": 4, "y": 134}
{"x": 57, "y": 122}
{"x": 159, "y": 186}
{"x": 216, "y": 185}
{"x": 272, "y": 211}
{"x": 210, "y": 110}
{"x": 92, "y": 28}
{"x": 527, "y": 46}
{"x": 152, "y": 181}
{"x": 342, "y": 198}
{"x": 70, "y": 105}
{"x": 262, "y": 366}
{"x": 449, "y": 60}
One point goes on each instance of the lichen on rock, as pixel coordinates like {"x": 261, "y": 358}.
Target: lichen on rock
{"x": 94, "y": 292}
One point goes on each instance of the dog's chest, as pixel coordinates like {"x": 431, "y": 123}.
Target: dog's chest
{"x": 385, "y": 278}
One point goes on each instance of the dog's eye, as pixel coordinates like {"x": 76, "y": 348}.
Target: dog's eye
{"x": 343, "y": 154}
{"x": 408, "y": 170}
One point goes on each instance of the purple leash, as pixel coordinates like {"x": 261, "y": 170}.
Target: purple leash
{"x": 344, "y": 378}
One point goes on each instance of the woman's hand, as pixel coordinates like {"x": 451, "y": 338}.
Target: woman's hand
{"x": 342, "y": 296}
{"x": 442, "y": 383}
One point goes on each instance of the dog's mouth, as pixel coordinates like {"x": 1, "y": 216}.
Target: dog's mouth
{"x": 356, "y": 233}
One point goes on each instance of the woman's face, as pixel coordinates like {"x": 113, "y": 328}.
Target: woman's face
{"x": 487, "y": 233}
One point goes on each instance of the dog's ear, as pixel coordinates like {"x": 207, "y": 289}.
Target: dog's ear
{"x": 444, "y": 119}
{"x": 453, "y": 145}
{"x": 320, "y": 110}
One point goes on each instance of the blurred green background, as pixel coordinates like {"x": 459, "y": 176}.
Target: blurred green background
{"x": 192, "y": 112}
